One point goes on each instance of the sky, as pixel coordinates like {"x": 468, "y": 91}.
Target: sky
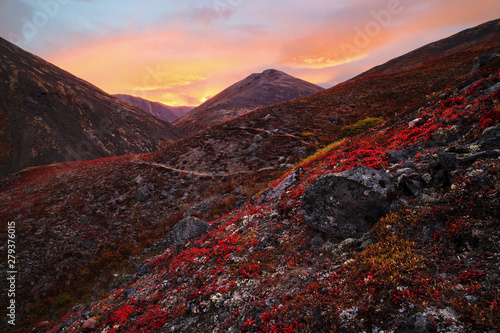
{"x": 182, "y": 52}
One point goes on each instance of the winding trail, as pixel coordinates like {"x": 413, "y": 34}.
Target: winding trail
{"x": 203, "y": 174}
{"x": 244, "y": 128}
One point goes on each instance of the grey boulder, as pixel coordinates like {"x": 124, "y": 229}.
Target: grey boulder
{"x": 347, "y": 204}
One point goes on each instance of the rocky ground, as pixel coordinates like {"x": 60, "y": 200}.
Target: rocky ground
{"x": 395, "y": 229}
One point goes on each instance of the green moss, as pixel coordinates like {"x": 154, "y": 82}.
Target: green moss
{"x": 360, "y": 126}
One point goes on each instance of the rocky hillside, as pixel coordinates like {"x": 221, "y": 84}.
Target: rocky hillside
{"x": 393, "y": 229}
{"x": 159, "y": 110}
{"x": 48, "y": 115}
{"x": 257, "y": 90}
{"x": 223, "y": 231}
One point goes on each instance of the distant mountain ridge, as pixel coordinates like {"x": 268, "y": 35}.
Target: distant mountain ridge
{"x": 159, "y": 110}
{"x": 48, "y": 115}
{"x": 257, "y": 90}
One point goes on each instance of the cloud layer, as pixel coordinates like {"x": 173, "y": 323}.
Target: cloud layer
{"x": 183, "y": 52}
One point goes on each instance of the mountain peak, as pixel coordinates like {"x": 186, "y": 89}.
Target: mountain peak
{"x": 257, "y": 90}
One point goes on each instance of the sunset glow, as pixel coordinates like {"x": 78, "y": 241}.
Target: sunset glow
{"x": 183, "y": 52}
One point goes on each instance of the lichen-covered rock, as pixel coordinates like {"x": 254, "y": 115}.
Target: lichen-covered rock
{"x": 186, "y": 229}
{"x": 346, "y": 204}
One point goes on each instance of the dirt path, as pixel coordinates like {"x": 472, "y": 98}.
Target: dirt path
{"x": 204, "y": 174}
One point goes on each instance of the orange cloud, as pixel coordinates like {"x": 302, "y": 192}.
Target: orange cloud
{"x": 178, "y": 65}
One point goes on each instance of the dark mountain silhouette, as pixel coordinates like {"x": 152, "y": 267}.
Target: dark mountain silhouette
{"x": 47, "y": 115}
{"x": 159, "y": 110}
{"x": 257, "y": 90}
{"x": 103, "y": 254}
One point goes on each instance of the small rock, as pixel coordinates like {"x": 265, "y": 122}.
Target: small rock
{"x": 252, "y": 148}
{"x": 471, "y": 298}
{"x": 257, "y": 138}
{"x": 480, "y": 62}
{"x": 223, "y": 316}
{"x": 89, "y": 324}
{"x": 268, "y": 241}
{"x": 165, "y": 285}
{"x": 142, "y": 193}
{"x": 130, "y": 292}
{"x": 412, "y": 182}
{"x": 490, "y": 138}
{"x": 412, "y": 123}
{"x": 302, "y": 153}
{"x": 278, "y": 191}
{"x": 186, "y": 229}
{"x": 491, "y": 90}
{"x": 396, "y": 156}
{"x": 144, "y": 269}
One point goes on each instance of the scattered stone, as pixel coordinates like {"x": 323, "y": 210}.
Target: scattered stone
{"x": 480, "y": 62}
{"x": 142, "y": 193}
{"x": 130, "y": 291}
{"x": 144, "y": 269}
{"x": 279, "y": 190}
{"x": 267, "y": 117}
{"x": 268, "y": 241}
{"x": 302, "y": 153}
{"x": 490, "y": 138}
{"x": 165, "y": 285}
{"x": 223, "y": 316}
{"x": 471, "y": 298}
{"x": 347, "y": 204}
{"x": 396, "y": 156}
{"x": 412, "y": 123}
{"x": 89, "y": 324}
{"x": 252, "y": 148}
{"x": 257, "y": 138}
{"x": 491, "y": 90}
{"x": 412, "y": 182}
{"x": 187, "y": 229}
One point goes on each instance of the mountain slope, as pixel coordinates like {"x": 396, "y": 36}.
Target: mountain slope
{"x": 48, "y": 115}
{"x": 443, "y": 47}
{"x": 103, "y": 218}
{"x": 257, "y": 90}
{"x": 429, "y": 265}
{"x": 159, "y": 110}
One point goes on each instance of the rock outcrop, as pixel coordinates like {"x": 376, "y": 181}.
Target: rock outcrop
{"x": 347, "y": 204}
